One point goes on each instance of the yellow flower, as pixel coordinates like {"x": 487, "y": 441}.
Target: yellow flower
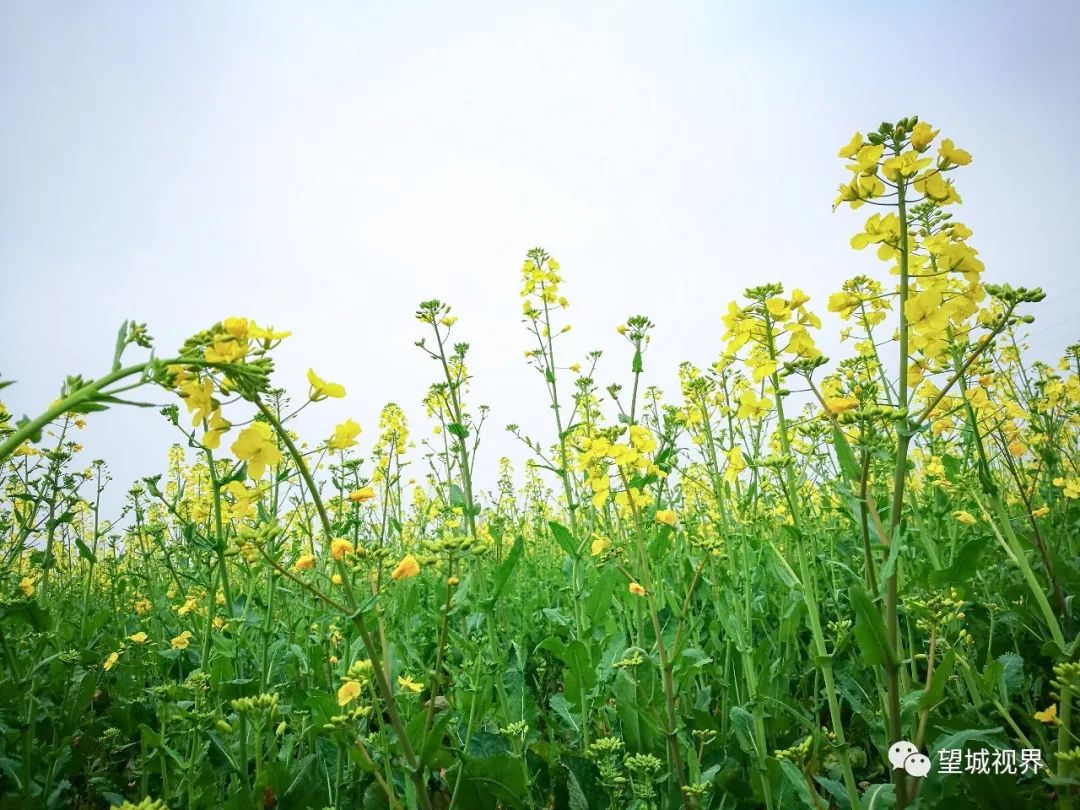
{"x": 110, "y": 662}
{"x": 217, "y": 428}
{"x": 182, "y": 641}
{"x": 266, "y": 334}
{"x": 750, "y": 407}
{"x": 599, "y": 545}
{"x": 361, "y": 495}
{"x": 339, "y": 547}
{"x": 237, "y": 327}
{"x": 1070, "y": 487}
{"x": 636, "y": 589}
{"x": 576, "y": 368}
{"x": 408, "y": 684}
{"x": 925, "y": 314}
{"x": 844, "y": 303}
{"x": 736, "y": 464}
{"x": 336, "y": 579}
{"x": 904, "y": 165}
{"x": 349, "y": 691}
{"x": 139, "y": 638}
{"x": 27, "y": 586}
{"x": 936, "y": 187}
{"x": 304, "y": 562}
{"x": 448, "y": 321}
{"x": 841, "y": 404}
{"x": 344, "y": 435}
{"x": 778, "y": 309}
{"x": 226, "y": 350}
{"x": 866, "y": 158}
{"x": 408, "y": 567}
{"x": 666, "y": 516}
{"x": 1041, "y": 512}
{"x": 953, "y": 155}
{"x": 878, "y": 230}
{"x": 321, "y": 389}
{"x": 922, "y": 135}
{"x": 256, "y": 446}
{"x": 1047, "y": 715}
{"x": 634, "y": 496}
{"x": 852, "y": 146}
{"x": 199, "y": 398}
{"x": 965, "y": 517}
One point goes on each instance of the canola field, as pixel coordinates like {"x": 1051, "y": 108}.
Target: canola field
{"x": 798, "y": 582}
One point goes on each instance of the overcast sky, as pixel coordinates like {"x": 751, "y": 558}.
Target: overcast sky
{"x": 325, "y": 166}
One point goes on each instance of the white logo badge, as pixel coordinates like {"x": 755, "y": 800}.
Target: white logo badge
{"x": 904, "y": 754}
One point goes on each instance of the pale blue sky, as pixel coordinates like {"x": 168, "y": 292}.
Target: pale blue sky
{"x": 326, "y": 166}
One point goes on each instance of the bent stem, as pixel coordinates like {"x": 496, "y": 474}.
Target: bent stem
{"x": 356, "y": 615}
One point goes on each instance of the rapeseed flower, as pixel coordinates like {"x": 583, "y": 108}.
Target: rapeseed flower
{"x": 257, "y": 447}
{"x": 344, "y": 435}
{"x": 408, "y": 567}
{"x": 321, "y": 389}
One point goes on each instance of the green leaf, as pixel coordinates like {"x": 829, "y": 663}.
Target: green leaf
{"x": 599, "y": 598}
{"x": 563, "y": 538}
{"x": 84, "y": 550}
{"x": 121, "y": 342}
{"x": 965, "y": 564}
{"x": 28, "y": 613}
{"x": 34, "y": 437}
{"x": 936, "y": 693}
{"x": 458, "y": 430}
{"x": 848, "y": 465}
{"x": 457, "y": 497}
{"x": 873, "y": 640}
{"x": 574, "y": 792}
{"x": 879, "y": 797}
{"x": 67, "y": 517}
{"x": 87, "y": 406}
{"x": 743, "y": 723}
{"x": 427, "y": 746}
{"x": 797, "y": 781}
{"x": 895, "y": 547}
{"x": 626, "y": 706}
{"x": 561, "y": 707}
{"x": 109, "y": 398}
{"x": 991, "y": 737}
{"x": 506, "y": 568}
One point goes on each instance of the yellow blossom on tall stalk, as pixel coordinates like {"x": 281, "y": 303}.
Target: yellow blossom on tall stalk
{"x": 753, "y": 407}
{"x": 321, "y": 389}
{"x": 408, "y": 567}
{"x": 340, "y": 547}
{"x": 217, "y": 427}
{"x": 257, "y": 446}
{"x": 407, "y": 684}
{"x": 344, "y": 435}
{"x": 349, "y": 691}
